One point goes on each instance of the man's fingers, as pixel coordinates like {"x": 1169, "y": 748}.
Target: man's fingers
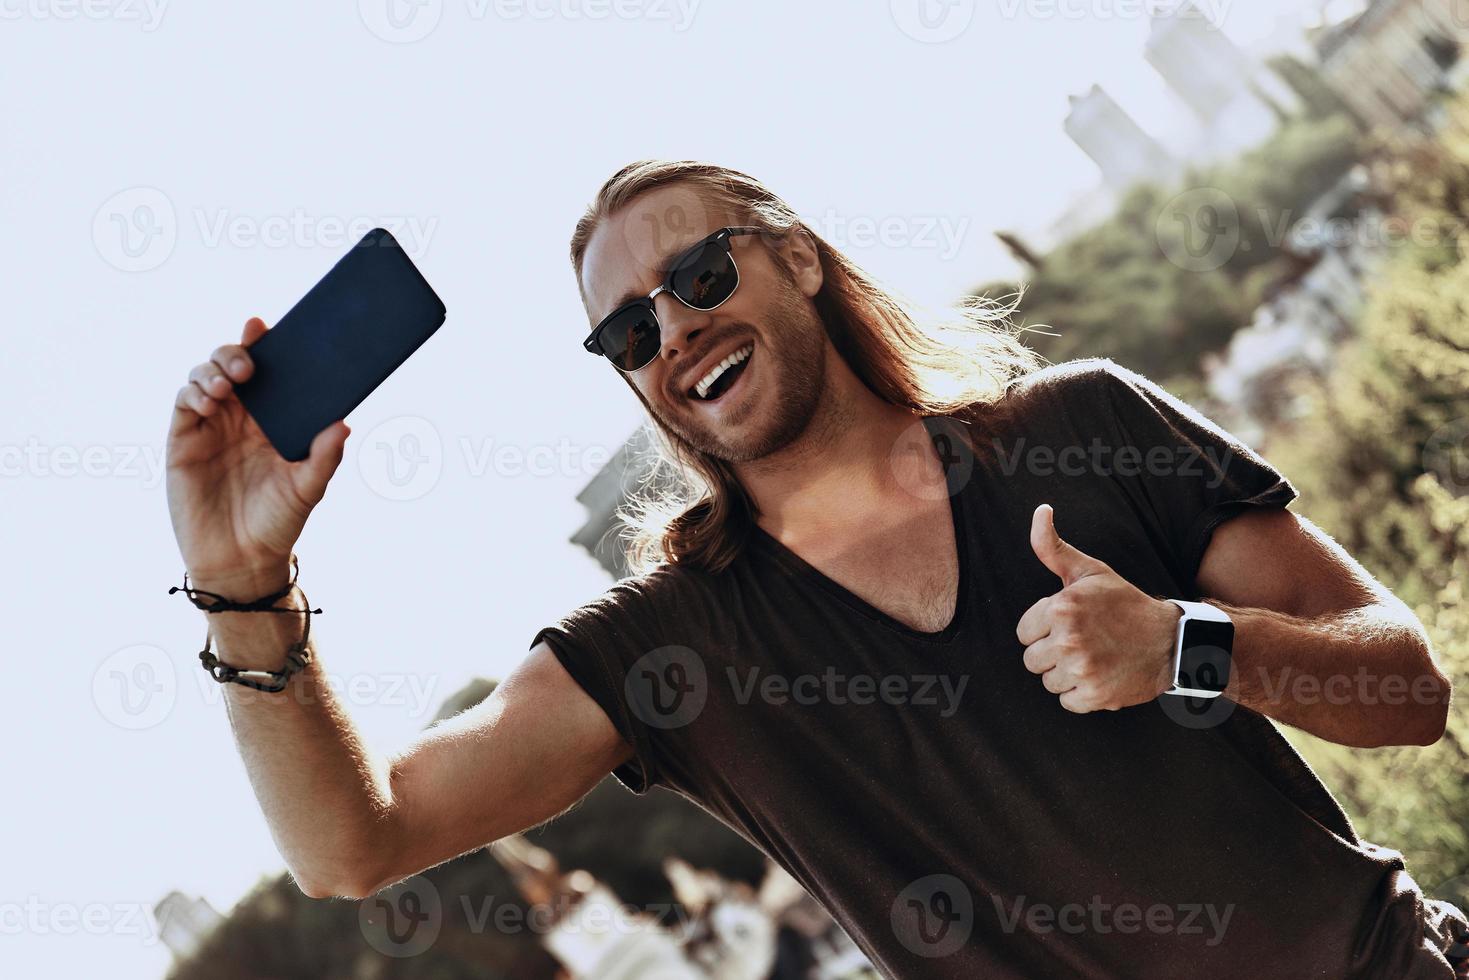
{"x": 189, "y": 404}
{"x": 233, "y": 361}
{"x": 321, "y": 462}
{"x": 1058, "y": 681}
{"x": 1064, "y": 561}
{"x": 255, "y": 328}
{"x": 1040, "y": 657}
{"x": 1036, "y": 622}
{"x": 210, "y": 380}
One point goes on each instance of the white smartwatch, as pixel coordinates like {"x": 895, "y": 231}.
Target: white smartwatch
{"x": 1202, "y": 650}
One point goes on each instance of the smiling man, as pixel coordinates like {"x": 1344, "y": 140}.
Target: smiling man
{"x": 872, "y": 507}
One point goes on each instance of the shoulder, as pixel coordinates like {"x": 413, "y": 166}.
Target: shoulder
{"x": 654, "y": 597}
{"x": 1085, "y": 377}
{"x": 1083, "y": 392}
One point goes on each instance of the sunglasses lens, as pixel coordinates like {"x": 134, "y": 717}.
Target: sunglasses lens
{"x": 630, "y": 339}
{"x": 706, "y": 278}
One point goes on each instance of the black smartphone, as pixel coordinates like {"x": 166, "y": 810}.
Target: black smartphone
{"x": 334, "y": 347}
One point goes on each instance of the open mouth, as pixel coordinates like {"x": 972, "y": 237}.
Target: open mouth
{"x": 722, "y": 375}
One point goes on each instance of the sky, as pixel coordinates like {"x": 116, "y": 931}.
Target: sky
{"x": 169, "y": 169}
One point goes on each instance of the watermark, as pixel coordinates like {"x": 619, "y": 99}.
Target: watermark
{"x": 404, "y": 457}
{"x": 671, "y": 686}
{"x": 1363, "y": 688}
{"x": 1199, "y": 229}
{"x": 1210, "y": 13}
{"x": 36, "y": 917}
{"x": 1101, "y": 459}
{"x": 938, "y": 439}
{"x": 360, "y": 689}
{"x": 668, "y": 687}
{"x": 1289, "y": 685}
{"x": 932, "y": 21}
{"x": 135, "y": 688}
{"x": 408, "y": 21}
{"x": 147, "y": 14}
{"x": 1127, "y": 918}
{"x": 1203, "y": 228}
{"x": 35, "y": 459}
{"x": 138, "y": 228}
{"x": 403, "y": 920}
{"x": 939, "y": 233}
{"x": 568, "y": 914}
{"x": 934, "y": 916}
{"x": 835, "y": 687}
{"x": 407, "y": 918}
{"x": 1446, "y": 455}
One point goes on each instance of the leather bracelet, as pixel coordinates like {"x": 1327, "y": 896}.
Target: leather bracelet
{"x": 297, "y": 654}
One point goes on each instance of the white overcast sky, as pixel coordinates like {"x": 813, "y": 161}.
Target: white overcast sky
{"x": 169, "y": 169}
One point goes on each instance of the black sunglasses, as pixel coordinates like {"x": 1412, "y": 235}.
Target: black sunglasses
{"x": 701, "y": 278}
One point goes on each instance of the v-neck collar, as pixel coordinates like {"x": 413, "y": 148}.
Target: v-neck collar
{"x": 774, "y": 547}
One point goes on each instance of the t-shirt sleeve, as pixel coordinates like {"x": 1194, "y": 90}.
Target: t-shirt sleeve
{"x": 1185, "y": 474}
{"x": 597, "y": 644}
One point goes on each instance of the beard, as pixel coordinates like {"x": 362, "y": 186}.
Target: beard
{"x": 792, "y": 385}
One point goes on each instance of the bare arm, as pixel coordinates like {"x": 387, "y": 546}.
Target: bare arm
{"x": 1319, "y": 643}
{"x": 349, "y": 824}
{"x": 346, "y": 823}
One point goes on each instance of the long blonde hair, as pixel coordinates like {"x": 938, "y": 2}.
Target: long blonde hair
{"x": 690, "y": 508}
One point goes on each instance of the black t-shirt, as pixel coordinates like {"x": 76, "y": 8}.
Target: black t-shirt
{"x": 938, "y": 800}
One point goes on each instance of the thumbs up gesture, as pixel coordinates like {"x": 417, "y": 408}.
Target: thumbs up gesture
{"x": 1100, "y": 643}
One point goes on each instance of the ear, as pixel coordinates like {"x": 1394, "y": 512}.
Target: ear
{"x": 804, "y": 259}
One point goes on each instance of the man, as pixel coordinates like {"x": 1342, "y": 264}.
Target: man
{"x": 910, "y": 631}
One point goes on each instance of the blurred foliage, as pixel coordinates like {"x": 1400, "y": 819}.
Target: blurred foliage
{"x": 1380, "y": 459}
{"x": 1111, "y": 290}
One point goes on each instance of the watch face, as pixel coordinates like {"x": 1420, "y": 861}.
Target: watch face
{"x": 1203, "y": 664}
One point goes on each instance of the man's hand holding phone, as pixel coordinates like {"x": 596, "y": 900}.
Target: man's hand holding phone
{"x": 236, "y": 504}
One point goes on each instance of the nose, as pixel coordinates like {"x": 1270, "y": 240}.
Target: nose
{"x": 678, "y": 324}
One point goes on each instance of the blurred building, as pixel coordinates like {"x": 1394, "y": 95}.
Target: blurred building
{"x": 184, "y": 922}
{"x": 1124, "y": 153}
{"x": 1302, "y": 322}
{"x": 1237, "y": 101}
{"x": 606, "y": 493}
{"x": 1388, "y": 58}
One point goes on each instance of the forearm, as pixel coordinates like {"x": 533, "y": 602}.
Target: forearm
{"x": 1365, "y": 677}
{"x": 325, "y": 799}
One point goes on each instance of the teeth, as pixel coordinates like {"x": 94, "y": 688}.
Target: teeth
{"x": 703, "y": 384}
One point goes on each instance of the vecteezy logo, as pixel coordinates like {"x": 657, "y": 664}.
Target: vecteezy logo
{"x": 1446, "y": 455}
{"x": 948, "y": 442}
{"x": 934, "y": 916}
{"x": 932, "y": 21}
{"x": 1198, "y": 713}
{"x": 1199, "y": 229}
{"x": 135, "y": 229}
{"x": 401, "y": 21}
{"x": 135, "y": 687}
{"x": 402, "y": 458}
{"x": 403, "y": 920}
{"x": 668, "y": 687}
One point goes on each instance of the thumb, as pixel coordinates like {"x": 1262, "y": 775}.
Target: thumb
{"x": 312, "y": 473}
{"x": 1066, "y": 562}
{"x": 255, "y": 328}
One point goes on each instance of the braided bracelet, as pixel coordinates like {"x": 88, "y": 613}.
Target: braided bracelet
{"x": 297, "y": 656}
